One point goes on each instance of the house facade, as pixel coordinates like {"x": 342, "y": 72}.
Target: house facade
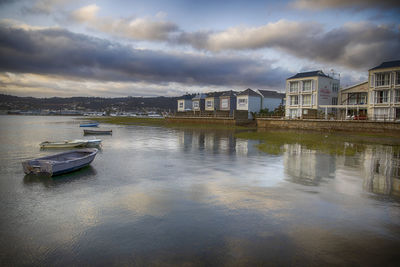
{"x": 212, "y": 101}
{"x": 384, "y": 91}
{"x": 271, "y": 99}
{"x": 354, "y": 101}
{"x": 305, "y": 91}
{"x": 185, "y": 103}
{"x": 227, "y": 101}
{"x": 249, "y": 100}
{"x": 198, "y": 102}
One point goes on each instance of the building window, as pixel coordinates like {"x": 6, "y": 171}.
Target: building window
{"x": 382, "y": 79}
{"x": 334, "y": 100}
{"x": 307, "y": 86}
{"x": 397, "y": 79}
{"x": 306, "y": 100}
{"x": 242, "y": 101}
{"x": 357, "y": 98}
{"x": 294, "y": 100}
{"x": 335, "y": 87}
{"x": 397, "y": 96}
{"x": 180, "y": 104}
{"x": 195, "y": 104}
{"x": 224, "y": 103}
{"x": 381, "y": 96}
{"x": 294, "y": 87}
{"x": 209, "y": 103}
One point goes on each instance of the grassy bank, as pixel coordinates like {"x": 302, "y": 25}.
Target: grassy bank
{"x": 161, "y": 122}
{"x": 333, "y": 143}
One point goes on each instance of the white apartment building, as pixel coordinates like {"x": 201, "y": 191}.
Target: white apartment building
{"x": 384, "y": 91}
{"x": 306, "y": 91}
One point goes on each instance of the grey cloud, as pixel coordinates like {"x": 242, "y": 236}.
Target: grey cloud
{"x": 356, "y": 4}
{"x": 354, "y": 45}
{"x": 60, "y": 52}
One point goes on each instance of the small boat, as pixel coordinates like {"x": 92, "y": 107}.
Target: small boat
{"x": 97, "y": 131}
{"x": 63, "y": 144}
{"x": 90, "y": 143}
{"x": 91, "y": 124}
{"x": 60, "y": 163}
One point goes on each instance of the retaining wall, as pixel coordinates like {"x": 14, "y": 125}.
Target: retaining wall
{"x": 327, "y": 125}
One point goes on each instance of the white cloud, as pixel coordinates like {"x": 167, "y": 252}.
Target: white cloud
{"x": 147, "y": 28}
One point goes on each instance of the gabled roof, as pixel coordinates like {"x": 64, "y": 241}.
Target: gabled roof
{"x": 214, "y": 94}
{"x": 271, "y": 94}
{"x": 199, "y": 96}
{"x": 387, "y": 64}
{"x": 186, "y": 97}
{"x": 229, "y": 93}
{"x": 249, "y": 92}
{"x": 309, "y": 74}
{"x": 352, "y": 86}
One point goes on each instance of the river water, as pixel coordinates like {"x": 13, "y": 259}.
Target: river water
{"x": 161, "y": 196}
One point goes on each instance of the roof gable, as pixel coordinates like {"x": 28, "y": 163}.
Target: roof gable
{"x": 271, "y": 94}
{"x": 249, "y": 92}
{"x": 309, "y": 74}
{"x": 387, "y": 64}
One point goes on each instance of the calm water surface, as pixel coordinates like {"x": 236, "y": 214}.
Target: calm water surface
{"x": 158, "y": 196}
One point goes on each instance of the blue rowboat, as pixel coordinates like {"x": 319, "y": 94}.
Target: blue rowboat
{"x": 93, "y": 124}
{"x": 60, "y": 163}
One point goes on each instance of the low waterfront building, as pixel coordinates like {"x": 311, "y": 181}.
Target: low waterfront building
{"x": 185, "y": 103}
{"x": 305, "y": 91}
{"x": 198, "y": 102}
{"x": 228, "y": 101}
{"x": 271, "y": 99}
{"x": 353, "y": 101}
{"x": 249, "y": 101}
{"x": 212, "y": 101}
{"x": 384, "y": 91}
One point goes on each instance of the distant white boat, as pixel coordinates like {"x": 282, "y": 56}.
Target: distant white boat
{"x": 60, "y": 163}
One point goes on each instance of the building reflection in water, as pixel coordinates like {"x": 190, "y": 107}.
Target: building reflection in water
{"x": 382, "y": 166}
{"x": 307, "y": 166}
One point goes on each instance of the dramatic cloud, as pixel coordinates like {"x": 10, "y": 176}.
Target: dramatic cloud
{"x": 151, "y": 29}
{"x": 354, "y": 45}
{"x": 60, "y": 52}
{"x": 356, "y": 4}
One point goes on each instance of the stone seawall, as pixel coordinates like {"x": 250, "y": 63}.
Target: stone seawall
{"x": 201, "y": 120}
{"x": 327, "y": 125}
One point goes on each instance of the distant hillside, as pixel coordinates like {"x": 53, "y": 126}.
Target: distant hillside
{"x": 123, "y": 104}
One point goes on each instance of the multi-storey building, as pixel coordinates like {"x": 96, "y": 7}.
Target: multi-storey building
{"x": 384, "y": 91}
{"x": 305, "y": 91}
{"x": 353, "y": 101}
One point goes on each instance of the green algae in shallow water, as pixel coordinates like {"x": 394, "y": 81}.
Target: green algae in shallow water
{"x": 330, "y": 143}
{"x": 162, "y": 122}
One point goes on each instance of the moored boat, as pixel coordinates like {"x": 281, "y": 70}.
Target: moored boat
{"x": 63, "y": 144}
{"x": 91, "y": 143}
{"x": 60, "y": 163}
{"x": 92, "y": 124}
{"x": 97, "y": 132}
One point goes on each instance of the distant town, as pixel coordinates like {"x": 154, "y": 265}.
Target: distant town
{"x": 96, "y": 106}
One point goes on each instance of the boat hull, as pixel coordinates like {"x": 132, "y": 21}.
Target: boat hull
{"x": 62, "y": 144}
{"x": 60, "y": 163}
{"x": 97, "y": 132}
{"x": 89, "y": 125}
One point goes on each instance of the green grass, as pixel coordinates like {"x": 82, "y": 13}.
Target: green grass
{"x": 163, "y": 122}
{"x": 331, "y": 143}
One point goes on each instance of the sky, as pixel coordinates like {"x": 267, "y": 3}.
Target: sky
{"x": 168, "y": 48}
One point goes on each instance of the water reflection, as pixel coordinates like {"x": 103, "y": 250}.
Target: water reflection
{"x": 307, "y": 166}
{"x": 382, "y": 165}
{"x": 87, "y": 172}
